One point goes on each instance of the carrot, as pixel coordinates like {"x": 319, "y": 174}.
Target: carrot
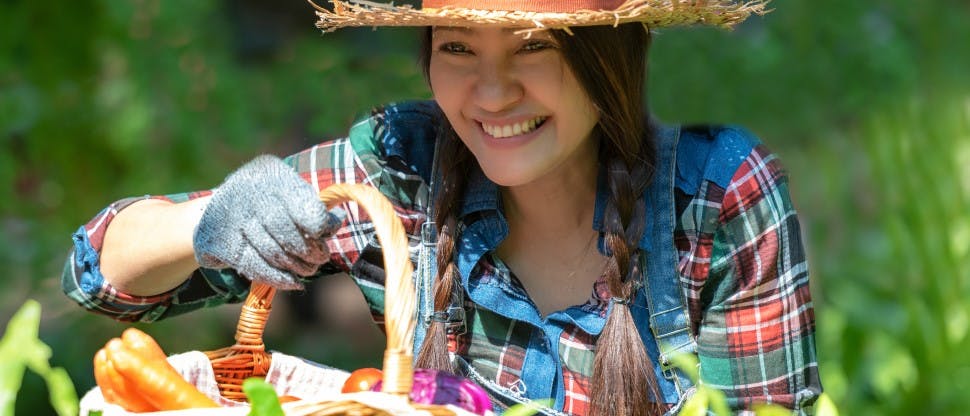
{"x": 142, "y": 344}
{"x": 157, "y": 381}
{"x": 101, "y": 377}
{"x": 123, "y": 394}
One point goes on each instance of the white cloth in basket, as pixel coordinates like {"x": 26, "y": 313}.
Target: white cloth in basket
{"x": 292, "y": 376}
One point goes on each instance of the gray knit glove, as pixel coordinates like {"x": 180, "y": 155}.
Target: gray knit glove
{"x": 267, "y": 223}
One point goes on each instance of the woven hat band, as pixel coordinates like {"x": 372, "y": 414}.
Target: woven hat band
{"x": 541, "y": 6}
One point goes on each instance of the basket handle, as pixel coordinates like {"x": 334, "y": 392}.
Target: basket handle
{"x": 399, "y": 293}
{"x": 248, "y": 357}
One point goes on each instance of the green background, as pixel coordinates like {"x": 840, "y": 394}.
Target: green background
{"x": 867, "y": 103}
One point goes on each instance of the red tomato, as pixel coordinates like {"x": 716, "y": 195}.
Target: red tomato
{"x": 361, "y": 380}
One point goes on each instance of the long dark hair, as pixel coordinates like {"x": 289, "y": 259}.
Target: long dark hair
{"x": 610, "y": 64}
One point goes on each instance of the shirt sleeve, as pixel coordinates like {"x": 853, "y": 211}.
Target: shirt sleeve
{"x": 360, "y": 157}
{"x": 756, "y": 326}
{"x": 83, "y": 282}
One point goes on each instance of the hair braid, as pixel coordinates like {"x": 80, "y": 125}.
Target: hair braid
{"x": 623, "y": 381}
{"x": 452, "y": 160}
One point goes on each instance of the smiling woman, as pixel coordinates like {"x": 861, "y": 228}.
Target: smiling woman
{"x": 514, "y": 102}
{"x": 568, "y": 244}
{"x": 493, "y": 79}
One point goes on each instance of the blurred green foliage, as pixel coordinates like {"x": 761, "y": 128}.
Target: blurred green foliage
{"x": 867, "y": 103}
{"x": 20, "y": 350}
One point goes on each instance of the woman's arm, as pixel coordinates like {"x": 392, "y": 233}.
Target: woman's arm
{"x": 148, "y": 246}
{"x": 756, "y": 329}
{"x": 140, "y": 259}
{"x": 133, "y": 251}
{"x": 143, "y": 268}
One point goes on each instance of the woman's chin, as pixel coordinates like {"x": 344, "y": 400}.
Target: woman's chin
{"x": 509, "y": 174}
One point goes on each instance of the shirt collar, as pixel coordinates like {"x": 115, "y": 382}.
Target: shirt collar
{"x": 481, "y": 194}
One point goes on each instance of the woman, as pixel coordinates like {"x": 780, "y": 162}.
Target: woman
{"x": 534, "y": 176}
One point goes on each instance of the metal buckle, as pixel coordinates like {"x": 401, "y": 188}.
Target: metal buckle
{"x": 429, "y": 234}
{"x": 453, "y": 318}
{"x": 666, "y": 367}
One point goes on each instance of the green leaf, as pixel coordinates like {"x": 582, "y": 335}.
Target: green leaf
{"x": 770, "y": 410}
{"x": 11, "y": 374}
{"x": 696, "y": 405}
{"x": 262, "y": 397}
{"x": 20, "y": 349}
{"x": 20, "y": 334}
{"x": 717, "y": 401}
{"x": 825, "y": 406}
{"x": 23, "y": 326}
{"x": 63, "y": 396}
{"x": 527, "y": 409}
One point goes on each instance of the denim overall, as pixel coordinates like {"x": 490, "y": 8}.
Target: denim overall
{"x": 659, "y": 307}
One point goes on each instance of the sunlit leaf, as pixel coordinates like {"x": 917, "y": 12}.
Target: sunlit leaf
{"x": 262, "y": 397}
{"x": 20, "y": 348}
{"x": 825, "y": 406}
{"x": 11, "y": 375}
{"x": 21, "y": 333}
{"x": 717, "y": 401}
{"x": 63, "y": 396}
{"x": 696, "y": 405}
{"x": 771, "y": 410}
{"x": 527, "y": 409}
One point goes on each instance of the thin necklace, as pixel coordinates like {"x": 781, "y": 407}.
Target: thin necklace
{"x": 582, "y": 259}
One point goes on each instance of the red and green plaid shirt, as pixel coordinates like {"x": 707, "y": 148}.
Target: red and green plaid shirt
{"x": 741, "y": 265}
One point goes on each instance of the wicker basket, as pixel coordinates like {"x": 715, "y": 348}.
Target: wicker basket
{"x": 248, "y": 357}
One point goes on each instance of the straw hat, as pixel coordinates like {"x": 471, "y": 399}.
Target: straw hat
{"x": 533, "y": 15}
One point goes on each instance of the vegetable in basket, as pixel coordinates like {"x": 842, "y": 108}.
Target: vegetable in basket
{"x": 429, "y": 387}
{"x": 438, "y": 387}
{"x": 132, "y": 372}
{"x": 362, "y": 379}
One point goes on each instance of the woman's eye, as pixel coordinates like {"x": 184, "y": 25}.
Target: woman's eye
{"x": 455, "y": 48}
{"x": 537, "y": 45}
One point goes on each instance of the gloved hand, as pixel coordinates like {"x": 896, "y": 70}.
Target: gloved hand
{"x": 267, "y": 223}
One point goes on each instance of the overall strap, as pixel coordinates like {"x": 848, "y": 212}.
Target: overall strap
{"x": 426, "y": 270}
{"x": 666, "y": 303}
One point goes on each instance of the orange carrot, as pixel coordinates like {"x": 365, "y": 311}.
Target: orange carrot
{"x": 123, "y": 394}
{"x": 142, "y": 344}
{"x": 101, "y": 377}
{"x": 157, "y": 381}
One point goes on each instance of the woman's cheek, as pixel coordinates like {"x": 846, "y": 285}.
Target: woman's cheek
{"x": 445, "y": 87}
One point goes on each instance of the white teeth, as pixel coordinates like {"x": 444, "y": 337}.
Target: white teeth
{"x": 512, "y": 129}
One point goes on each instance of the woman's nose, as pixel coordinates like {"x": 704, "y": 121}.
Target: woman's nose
{"x": 496, "y": 88}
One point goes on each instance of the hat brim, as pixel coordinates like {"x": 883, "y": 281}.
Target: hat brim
{"x": 652, "y": 13}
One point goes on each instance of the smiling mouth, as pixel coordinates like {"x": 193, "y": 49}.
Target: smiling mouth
{"x": 515, "y": 129}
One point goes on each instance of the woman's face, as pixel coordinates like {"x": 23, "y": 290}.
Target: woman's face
{"x": 513, "y": 101}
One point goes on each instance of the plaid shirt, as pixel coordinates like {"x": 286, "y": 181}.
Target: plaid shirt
{"x": 741, "y": 264}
